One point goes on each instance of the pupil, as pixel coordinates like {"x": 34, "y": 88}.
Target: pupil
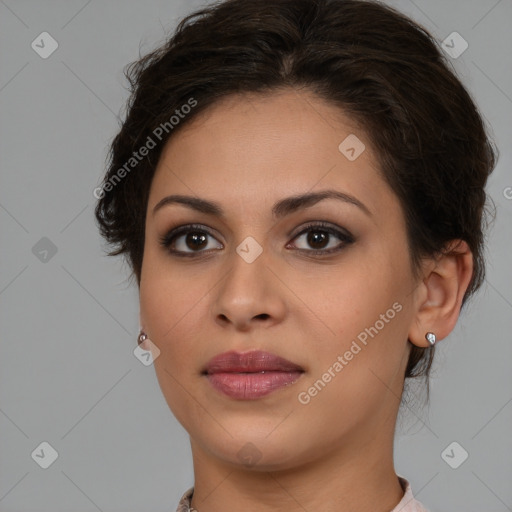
{"x": 316, "y": 237}
{"x": 196, "y": 240}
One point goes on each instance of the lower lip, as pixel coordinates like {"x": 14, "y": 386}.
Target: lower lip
{"x": 250, "y": 386}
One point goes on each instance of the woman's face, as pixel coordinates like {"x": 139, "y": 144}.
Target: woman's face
{"x": 257, "y": 279}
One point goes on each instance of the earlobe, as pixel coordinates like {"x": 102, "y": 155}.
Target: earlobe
{"x": 142, "y": 337}
{"x": 443, "y": 287}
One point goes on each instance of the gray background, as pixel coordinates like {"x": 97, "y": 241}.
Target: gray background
{"x": 68, "y": 374}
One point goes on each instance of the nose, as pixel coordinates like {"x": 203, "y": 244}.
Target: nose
{"x": 250, "y": 295}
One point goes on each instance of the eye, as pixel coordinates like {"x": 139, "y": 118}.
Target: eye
{"x": 193, "y": 237}
{"x": 189, "y": 240}
{"x": 319, "y": 237}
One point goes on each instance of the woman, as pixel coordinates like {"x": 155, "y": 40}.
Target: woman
{"x": 298, "y": 187}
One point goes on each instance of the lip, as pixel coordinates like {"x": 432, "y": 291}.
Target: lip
{"x": 250, "y": 375}
{"x": 249, "y": 362}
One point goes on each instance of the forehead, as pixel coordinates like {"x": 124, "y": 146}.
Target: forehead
{"x": 250, "y": 150}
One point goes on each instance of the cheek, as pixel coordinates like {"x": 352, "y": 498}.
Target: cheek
{"x": 172, "y": 312}
{"x": 174, "y": 306}
{"x": 164, "y": 298}
{"x": 364, "y": 305}
{"x": 351, "y": 297}
{"x": 358, "y": 368}
{"x": 169, "y": 305}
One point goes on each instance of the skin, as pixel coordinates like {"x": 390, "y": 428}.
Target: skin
{"x": 335, "y": 452}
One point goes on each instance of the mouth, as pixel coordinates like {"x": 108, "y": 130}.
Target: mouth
{"x": 250, "y": 375}
{"x": 254, "y": 361}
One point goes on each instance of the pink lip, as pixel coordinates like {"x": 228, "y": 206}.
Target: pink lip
{"x": 250, "y": 375}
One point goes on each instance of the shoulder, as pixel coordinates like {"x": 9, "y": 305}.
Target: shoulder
{"x": 408, "y": 503}
{"x": 184, "y": 503}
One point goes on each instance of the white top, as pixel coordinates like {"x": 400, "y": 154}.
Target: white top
{"x": 407, "y": 503}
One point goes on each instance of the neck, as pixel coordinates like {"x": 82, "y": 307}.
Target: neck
{"x": 357, "y": 475}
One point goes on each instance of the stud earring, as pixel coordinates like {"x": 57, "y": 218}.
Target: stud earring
{"x": 431, "y": 338}
{"x": 142, "y": 336}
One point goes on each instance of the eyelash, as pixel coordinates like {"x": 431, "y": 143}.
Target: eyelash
{"x": 168, "y": 239}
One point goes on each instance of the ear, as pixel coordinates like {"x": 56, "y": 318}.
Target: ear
{"x": 439, "y": 295}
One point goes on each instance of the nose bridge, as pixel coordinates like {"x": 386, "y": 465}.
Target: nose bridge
{"x": 247, "y": 268}
{"x": 247, "y": 290}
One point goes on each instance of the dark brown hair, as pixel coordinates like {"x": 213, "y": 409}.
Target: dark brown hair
{"x": 385, "y": 71}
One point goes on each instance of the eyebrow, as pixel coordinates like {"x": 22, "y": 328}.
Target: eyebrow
{"x": 280, "y": 209}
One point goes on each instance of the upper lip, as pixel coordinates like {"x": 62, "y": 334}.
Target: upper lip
{"x": 249, "y": 362}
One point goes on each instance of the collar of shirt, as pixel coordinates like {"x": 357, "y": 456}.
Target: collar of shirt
{"x": 407, "y": 504}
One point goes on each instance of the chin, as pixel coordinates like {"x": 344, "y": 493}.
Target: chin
{"x": 255, "y": 451}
